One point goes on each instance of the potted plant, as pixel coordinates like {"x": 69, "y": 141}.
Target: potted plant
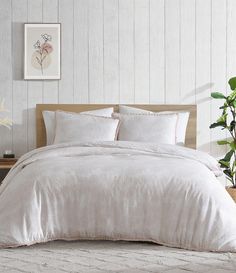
{"x": 227, "y": 121}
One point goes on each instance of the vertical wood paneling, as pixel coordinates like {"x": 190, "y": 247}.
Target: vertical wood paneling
{"x": 34, "y": 87}
{"x": 203, "y": 72}
{"x": 126, "y": 50}
{"x": 172, "y": 53}
{"x": 187, "y": 50}
{"x": 141, "y": 53}
{"x": 111, "y": 52}
{"x": 96, "y": 66}
{"x": 50, "y": 14}
{"x": 157, "y": 51}
{"x": 218, "y": 70}
{"x": 19, "y": 130}
{"x": 231, "y": 39}
{"x": 81, "y": 68}
{"x": 66, "y": 84}
{"x": 6, "y": 70}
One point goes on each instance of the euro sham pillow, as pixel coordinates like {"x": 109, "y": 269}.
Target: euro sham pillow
{"x": 84, "y": 128}
{"x": 182, "y": 120}
{"x": 50, "y": 120}
{"x": 147, "y": 127}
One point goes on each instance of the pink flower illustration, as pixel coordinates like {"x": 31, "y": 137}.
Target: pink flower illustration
{"x": 47, "y": 48}
{"x": 43, "y": 50}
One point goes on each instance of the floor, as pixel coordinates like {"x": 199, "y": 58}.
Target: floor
{"x": 105, "y": 256}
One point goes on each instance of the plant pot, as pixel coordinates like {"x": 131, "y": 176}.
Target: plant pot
{"x": 232, "y": 192}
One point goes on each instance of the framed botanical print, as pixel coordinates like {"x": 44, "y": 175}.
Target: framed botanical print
{"x": 42, "y": 51}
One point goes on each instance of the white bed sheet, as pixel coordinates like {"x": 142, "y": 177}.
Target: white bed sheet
{"x": 118, "y": 191}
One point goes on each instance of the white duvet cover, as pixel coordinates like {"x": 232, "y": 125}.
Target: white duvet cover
{"x": 117, "y": 191}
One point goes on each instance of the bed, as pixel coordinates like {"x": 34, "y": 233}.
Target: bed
{"x": 117, "y": 190}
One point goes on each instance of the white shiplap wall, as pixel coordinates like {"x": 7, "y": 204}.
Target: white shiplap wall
{"x": 121, "y": 51}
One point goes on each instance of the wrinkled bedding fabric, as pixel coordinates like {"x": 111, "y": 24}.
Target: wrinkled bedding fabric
{"x": 118, "y": 191}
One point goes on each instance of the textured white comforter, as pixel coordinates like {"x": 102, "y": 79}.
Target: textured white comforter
{"x": 119, "y": 191}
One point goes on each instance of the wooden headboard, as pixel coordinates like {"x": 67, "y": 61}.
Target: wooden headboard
{"x": 41, "y": 132}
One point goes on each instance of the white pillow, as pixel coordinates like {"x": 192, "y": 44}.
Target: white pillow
{"x": 182, "y": 121}
{"x": 123, "y": 109}
{"x": 72, "y": 127}
{"x": 147, "y": 127}
{"x": 50, "y": 120}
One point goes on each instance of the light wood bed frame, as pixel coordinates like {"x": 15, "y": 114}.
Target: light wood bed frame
{"x": 41, "y": 132}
